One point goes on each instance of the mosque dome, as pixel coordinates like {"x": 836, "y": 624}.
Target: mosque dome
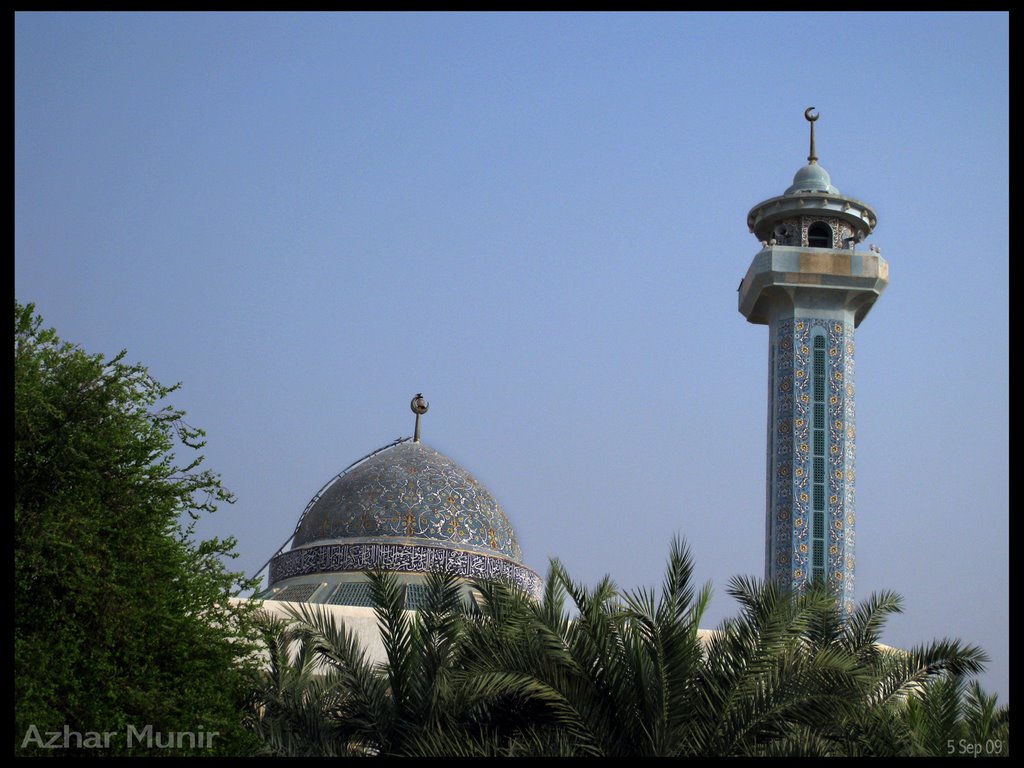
{"x": 411, "y": 494}
{"x": 405, "y": 508}
{"x": 811, "y": 178}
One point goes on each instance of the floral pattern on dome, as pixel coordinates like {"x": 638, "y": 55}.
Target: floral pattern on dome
{"x": 411, "y": 493}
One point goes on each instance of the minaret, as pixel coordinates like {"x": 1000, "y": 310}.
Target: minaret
{"x": 811, "y": 286}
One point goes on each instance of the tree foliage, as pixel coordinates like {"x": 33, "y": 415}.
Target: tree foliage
{"x": 598, "y": 672}
{"x": 122, "y": 618}
{"x": 321, "y": 695}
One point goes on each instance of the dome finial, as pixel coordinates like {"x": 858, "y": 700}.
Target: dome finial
{"x": 419, "y": 406}
{"x": 813, "y": 157}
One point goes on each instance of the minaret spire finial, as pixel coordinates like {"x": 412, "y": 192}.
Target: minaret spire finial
{"x": 813, "y": 157}
{"x": 419, "y": 406}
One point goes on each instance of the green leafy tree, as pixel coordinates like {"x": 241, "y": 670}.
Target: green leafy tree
{"x": 123, "y": 620}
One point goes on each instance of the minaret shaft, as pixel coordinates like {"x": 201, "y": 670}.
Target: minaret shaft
{"x": 810, "y": 479}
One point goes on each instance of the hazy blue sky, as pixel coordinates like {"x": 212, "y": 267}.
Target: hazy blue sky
{"x": 538, "y": 221}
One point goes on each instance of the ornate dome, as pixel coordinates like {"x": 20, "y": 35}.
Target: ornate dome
{"x": 404, "y": 508}
{"x": 811, "y": 178}
{"x": 410, "y": 494}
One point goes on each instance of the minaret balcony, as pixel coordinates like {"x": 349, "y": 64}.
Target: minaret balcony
{"x": 783, "y": 277}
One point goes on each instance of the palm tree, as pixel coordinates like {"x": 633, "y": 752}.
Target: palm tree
{"x": 800, "y": 678}
{"x": 628, "y": 675}
{"x": 598, "y": 672}
{"x": 322, "y": 695}
{"x": 891, "y": 678}
{"x": 296, "y": 692}
{"x": 614, "y": 677}
{"x": 953, "y": 716}
{"x": 765, "y": 687}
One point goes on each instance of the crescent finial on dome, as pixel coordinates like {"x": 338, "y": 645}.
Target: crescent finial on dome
{"x": 419, "y": 406}
{"x": 813, "y": 157}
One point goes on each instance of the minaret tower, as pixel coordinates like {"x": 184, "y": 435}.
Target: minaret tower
{"x": 811, "y": 286}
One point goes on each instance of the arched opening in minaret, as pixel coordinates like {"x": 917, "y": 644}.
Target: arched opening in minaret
{"x": 819, "y": 235}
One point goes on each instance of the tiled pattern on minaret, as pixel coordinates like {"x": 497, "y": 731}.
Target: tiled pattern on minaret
{"x": 789, "y": 513}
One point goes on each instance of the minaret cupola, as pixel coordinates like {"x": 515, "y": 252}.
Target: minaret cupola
{"x": 812, "y": 213}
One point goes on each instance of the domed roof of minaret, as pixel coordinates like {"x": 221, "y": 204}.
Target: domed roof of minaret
{"x": 811, "y": 178}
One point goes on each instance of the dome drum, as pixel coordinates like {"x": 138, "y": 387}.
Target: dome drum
{"x": 342, "y": 558}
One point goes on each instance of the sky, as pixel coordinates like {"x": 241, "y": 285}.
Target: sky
{"x": 539, "y": 222}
